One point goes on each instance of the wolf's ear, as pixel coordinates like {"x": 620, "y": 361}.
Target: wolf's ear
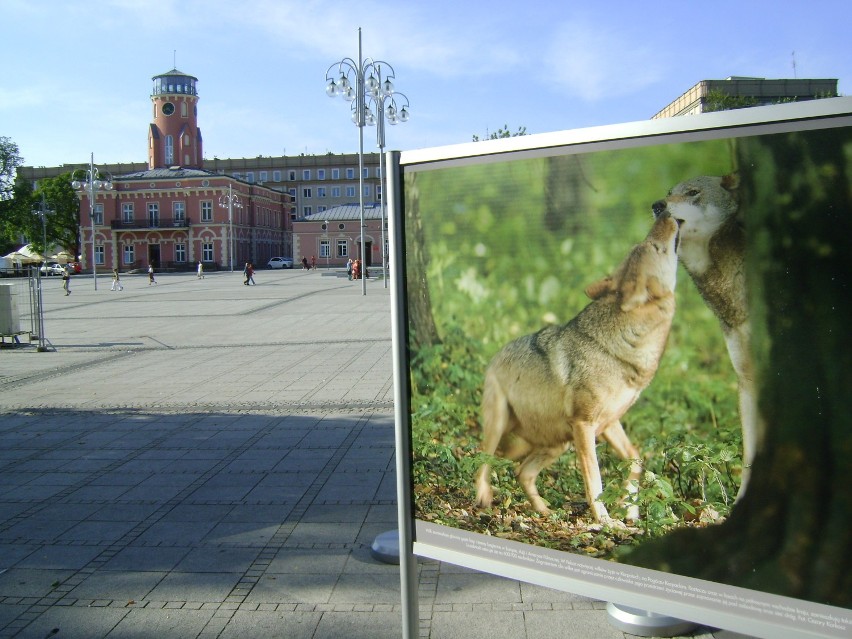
{"x": 601, "y": 288}
{"x": 633, "y": 291}
{"x": 731, "y": 182}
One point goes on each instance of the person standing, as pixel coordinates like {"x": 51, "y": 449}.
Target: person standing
{"x": 116, "y": 281}
{"x": 200, "y": 270}
{"x": 66, "y": 282}
{"x": 304, "y": 263}
{"x": 349, "y": 269}
{"x": 151, "y": 279}
{"x": 246, "y": 274}
{"x": 313, "y": 262}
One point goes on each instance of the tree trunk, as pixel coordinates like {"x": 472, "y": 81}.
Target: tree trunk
{"x": 421, "y": 322}
{"x": 791, "y": 534}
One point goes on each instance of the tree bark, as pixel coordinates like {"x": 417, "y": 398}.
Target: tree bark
{"x": 421, "y": 322}
{"x": 791, "y": 534}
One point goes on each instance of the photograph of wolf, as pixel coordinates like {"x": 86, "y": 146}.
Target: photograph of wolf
{"x": 641, "y": 354}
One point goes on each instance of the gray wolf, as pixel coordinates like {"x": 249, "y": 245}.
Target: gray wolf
{"x": 712, "y": 249}
{"x": 574, "y": 382}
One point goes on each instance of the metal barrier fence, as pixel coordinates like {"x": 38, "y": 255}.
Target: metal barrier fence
{"x": 21, "y": 307}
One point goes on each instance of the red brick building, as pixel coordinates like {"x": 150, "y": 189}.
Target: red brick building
{"x": 175, "y": 212}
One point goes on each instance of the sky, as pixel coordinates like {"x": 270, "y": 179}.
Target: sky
{"x": 77, "y": 74}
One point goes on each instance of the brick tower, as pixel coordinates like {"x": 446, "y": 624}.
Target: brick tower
{"x": 174, "y": 138}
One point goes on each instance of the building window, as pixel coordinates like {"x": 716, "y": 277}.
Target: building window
{"x": 325, "y": 247}
{"x": 335, "y": 174}
{"x": 366, "y": 172}
{"x": 179, "y": 210}
{"x": 342, "y": 248}
{"x": 153, "y": 214}
{"x": 350, "y": 191}
{"x": 263, "y": 176}
{"x": 180, "y": 252}
{"x": 350, "y": 174}
{"x": 99, "y": 214}
{"x": 169, "y": 150}
{"x": 250, "y": 176}
{"x": 129, "y": 254}
{"x": 306, "y": 192}
{"x": 276, "y": 176}
{"x": 237, "y": 175}
{"x": 291, "y": 175}
{"x": 99, "y": 254}
{"x": 306, "y": 174}
{"x": 335, "y": 191}
{"x": 379, "y": 192}
{"x": 320, "y": 191}
{"x": 366, "y": 190}
{"x": 127, "y": 212}
{"x": 320, "y": 209}
{"x": 320, "y": 174}
{"x": 207, "y": 252}
{"x": 206, "y": 211}
{"x": 306, "y": 211}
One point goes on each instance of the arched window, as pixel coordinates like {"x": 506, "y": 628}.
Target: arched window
{"x": 183, "y": 109}
{"x": 170, "y": 150}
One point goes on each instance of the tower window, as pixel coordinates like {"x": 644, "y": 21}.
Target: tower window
{"x": 169, "y": 150}
{"x": 183, "y": 110}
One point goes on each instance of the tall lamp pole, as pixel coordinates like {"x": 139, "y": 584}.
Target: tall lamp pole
{"x": 357, "y": 80}
{"x": 232, "y": 201}
{"x": 93, "y": 183}
{"x": 394, "y": 113}
{"x": 42, "y": 212}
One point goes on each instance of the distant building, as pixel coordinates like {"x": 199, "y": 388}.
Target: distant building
{"x": 172, "y": 211}
{"x": 334, "y": 236}
{"x": 753, "y": 92}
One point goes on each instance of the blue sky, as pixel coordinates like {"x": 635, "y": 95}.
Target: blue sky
{"x": 77, "y": 77}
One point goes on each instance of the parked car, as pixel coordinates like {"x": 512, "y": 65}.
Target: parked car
{"x": 52, "y": 269}
{"x": 279, "y": 262}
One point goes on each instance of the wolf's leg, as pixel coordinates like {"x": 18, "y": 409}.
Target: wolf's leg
{"x": 584, "y": 444}
{"x": 495, "y": 423}
{"x": 528, "y": 472}
{"x": 616, "y": 437}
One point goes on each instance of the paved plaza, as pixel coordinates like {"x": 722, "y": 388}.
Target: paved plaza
{"x": 200, "y": 458}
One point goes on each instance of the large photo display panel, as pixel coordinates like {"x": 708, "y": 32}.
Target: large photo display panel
{"x": 627, "y": 364}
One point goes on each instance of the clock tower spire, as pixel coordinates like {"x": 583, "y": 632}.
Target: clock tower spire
{"x": 174, "y": 138}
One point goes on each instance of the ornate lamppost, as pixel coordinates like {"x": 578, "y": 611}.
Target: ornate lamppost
{"x": 356, "y": 81}
{"x": 92, "y": 183}
{"x": 395, "y": 112}
{"x": 231, "y": 201}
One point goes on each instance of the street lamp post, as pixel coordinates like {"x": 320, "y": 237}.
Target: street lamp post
{"x": 232, "y": 201}
{"x": 93, "y": 183}
{"x": 394, "y": 114}
{"x": 42, "y": 212}
{"x": 366, "y": 84}
{"x": 327, "y": 245}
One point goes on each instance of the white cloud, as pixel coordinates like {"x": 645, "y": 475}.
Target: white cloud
{"x": 595, "y": 60}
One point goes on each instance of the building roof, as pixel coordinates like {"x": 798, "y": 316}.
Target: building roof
{"x": 372, "y": 211}
{"x": 177, "y": 172}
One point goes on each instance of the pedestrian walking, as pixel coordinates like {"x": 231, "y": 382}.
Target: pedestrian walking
{"x": 66, "y": 282}
{"x": 116, "y": 281}
{"x": 305, "y": 263}
{"x": 250, "y": 274}
{"x": 313, "y": 262}
{"x": 151, "y": 279}
{"x": 349, "y": 269}
{"x": 200, "y": 270}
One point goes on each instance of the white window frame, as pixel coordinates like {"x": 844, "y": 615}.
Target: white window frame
{"x": 129, "y": 254}
{"x": 207, "y": 252}
{"x": 206, "y": 210}
{"x": 180, "y": 252}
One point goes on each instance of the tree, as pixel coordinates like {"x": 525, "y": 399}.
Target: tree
{"x": 10, "y": 160}
{"x": 502, "y": 132}
{"x": 63, "y": 223}
{"x": 791, "y": 532}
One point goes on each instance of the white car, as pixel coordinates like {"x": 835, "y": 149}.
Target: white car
{"x": 280, "y": 262}
{"x": 52, "y": 269}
